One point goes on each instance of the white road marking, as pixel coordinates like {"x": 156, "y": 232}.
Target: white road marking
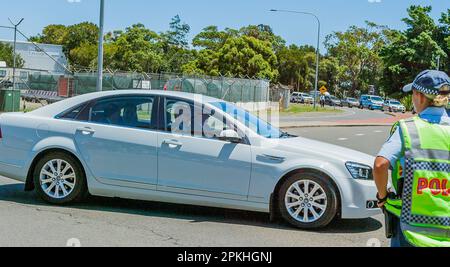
{"x": 361, "y": 134}
{"x": 342, "y": 139}
{"x": 378, "y": 131}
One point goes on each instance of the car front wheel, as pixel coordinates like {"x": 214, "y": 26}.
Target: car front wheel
{"x": 59, "y": 179}
{"x": 308, "y": 201}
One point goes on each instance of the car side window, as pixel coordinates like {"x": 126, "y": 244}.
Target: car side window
{"x": 178, "y": 116}
{"x": 133, "y": 112}
{"x": 185, "y": 118}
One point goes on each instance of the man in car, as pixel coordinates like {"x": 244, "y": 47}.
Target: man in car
{"x": 418, "y": 152}
{"x": 112, "y": 114}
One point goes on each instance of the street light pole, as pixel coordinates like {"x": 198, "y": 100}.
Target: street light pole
{"x": 14, "y": 56}
{"x": 438, "y": 62}
{"x": 316, "y": 85}
{"x": 100, "y": 47}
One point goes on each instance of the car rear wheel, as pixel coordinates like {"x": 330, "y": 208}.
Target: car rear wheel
{"x": 308, "y": 201}
{"x": 59, "y": 179}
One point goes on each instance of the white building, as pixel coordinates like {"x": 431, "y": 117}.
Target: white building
{"x": 36, "y": 60}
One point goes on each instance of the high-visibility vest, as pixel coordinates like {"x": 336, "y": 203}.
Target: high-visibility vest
{"x": 424, "y": 208}
{"x": 397, "y": 171}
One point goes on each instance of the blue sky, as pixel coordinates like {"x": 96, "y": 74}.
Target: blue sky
{"x": 336, "y": 15}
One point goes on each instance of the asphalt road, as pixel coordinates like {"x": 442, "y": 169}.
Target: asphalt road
{"x": 365, "y": 139}
{"x": 347, "y": 114}
{"x": 27, "y": 221}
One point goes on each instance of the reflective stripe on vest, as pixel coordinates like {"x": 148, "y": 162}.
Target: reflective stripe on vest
{"x": 397, "y": 171}
{"x": 425, "y": 215}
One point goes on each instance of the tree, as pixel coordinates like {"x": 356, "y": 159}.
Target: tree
{"x": 412, "y": 51}
{"x": 74, "y": 37}
{"x": 443, "y": 37}
{"x": 264, "y": 33}
{"x": 329, "y": 73}
{"x": 213, "y": 39}
{"x": 177, "y": 33}
{"x": 137, "y": 49}
{"x": 247, "y": 52}
{"x": 7, "y": 55}
{"x": 53, "y": 34}
{"x": 357, "y": 51}
{"x": 248, "y": 56}
{"x": 174, "y": 43}
{"x": 296, "y": 66}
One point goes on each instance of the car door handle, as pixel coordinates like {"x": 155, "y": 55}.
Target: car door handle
{"x": 86, "y": 130}
{"x": 172, "y": 143}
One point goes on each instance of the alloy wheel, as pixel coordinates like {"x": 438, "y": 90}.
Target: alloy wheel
{"x": 57, "y": 178}
{"x": 306, "y": 201}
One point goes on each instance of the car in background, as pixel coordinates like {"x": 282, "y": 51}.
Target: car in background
{"x": 333, "y": 101}
{"x": 6, "y": 84}
{"x": 302, "y": 98}
{"x": 350, "y": 102}
{"x": 144, "y": 145}
{"x": 371, "y": 102}
{"x": 394, "y": 106}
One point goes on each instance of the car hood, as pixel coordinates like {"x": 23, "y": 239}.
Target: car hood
{"x": 321, "y": 150}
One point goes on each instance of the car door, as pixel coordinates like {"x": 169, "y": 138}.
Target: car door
{"x": 189, "y": 162}
{"x": 119, "y": 142}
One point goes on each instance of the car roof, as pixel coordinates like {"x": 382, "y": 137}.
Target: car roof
{"x": 61, "y": 106}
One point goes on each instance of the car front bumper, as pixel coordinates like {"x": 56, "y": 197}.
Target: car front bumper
{"x": 355, "y": 205}
{"x": 398, "y": 109}
{"x": 377, "y": 107}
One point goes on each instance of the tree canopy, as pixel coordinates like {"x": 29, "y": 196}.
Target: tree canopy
{"x": 355, "y": 58}
{"x": 7, "y": 55}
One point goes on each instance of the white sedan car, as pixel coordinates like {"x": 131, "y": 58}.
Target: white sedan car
{"x": 182, "y": 148}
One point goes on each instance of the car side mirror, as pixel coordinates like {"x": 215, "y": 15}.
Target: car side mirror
{"x": 230, "y": 136}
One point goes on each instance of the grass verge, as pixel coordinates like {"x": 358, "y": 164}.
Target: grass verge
{"x": 298, "y": 108}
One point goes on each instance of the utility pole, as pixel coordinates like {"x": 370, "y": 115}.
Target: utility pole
{"x": 15, "y": 57}
{"x": 438, "y": 62}
{"x": 100, "y": 47}
{"x": 316, "y": 85}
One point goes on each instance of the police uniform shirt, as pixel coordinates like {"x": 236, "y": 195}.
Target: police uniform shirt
{"x": 392, "y": 149}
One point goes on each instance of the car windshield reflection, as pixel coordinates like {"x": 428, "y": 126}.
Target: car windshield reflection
{"x": 258, "y": 125}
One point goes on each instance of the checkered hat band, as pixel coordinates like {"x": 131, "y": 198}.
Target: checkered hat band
{"x": 425, "y": 90}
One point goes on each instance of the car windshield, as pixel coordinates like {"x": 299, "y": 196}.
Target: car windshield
{"x": 395, "y": 103}
{"x": 260, "y": 126}
{"x": 334, "y": 98}
{"x": 351, "y": 99}
{"x": 377, "y": 98}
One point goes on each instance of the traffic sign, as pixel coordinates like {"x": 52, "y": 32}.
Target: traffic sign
{"x": 323, "y": 90}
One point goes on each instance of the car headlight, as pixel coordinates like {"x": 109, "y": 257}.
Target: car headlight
{"x": 360, "y": 171}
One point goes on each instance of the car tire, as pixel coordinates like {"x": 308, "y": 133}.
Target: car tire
{"x": 312, "y": 220}
{"x": 66, "y": 185}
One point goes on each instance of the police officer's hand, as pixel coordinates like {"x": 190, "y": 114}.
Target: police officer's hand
{"x": 382, "y": 199}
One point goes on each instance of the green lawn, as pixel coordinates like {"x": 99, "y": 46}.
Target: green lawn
{"x": 299, "y": 108}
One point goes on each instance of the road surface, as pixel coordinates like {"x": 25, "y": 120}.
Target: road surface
{"x": 27, "y": 221}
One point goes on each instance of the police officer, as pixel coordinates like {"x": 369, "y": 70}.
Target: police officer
{"x": 418, "y": 153}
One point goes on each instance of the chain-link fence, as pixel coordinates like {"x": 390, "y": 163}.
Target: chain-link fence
{"x": 226, "y": 88}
